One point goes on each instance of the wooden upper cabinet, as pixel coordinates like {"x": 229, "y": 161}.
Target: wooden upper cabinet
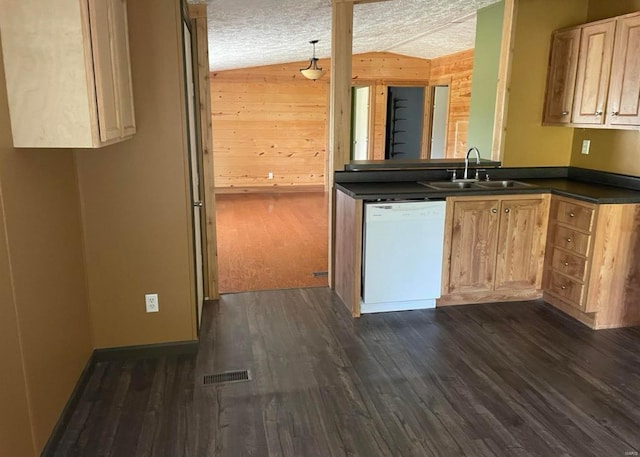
{"x": 594, "y": 67}
{"x": 623, "y": 106}
{"x": 561, "y": 81}
{"x": 68, "y": 72}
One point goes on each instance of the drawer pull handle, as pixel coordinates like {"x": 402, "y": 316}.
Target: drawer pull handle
{"x": 565, "y": 113}
{"x": 563, "y": 287}
{"x": 615, "y": 113}
{"x": 598, "y": 113}
{"x": 566, "y": 264}
{"x": 572, "y": 215}
{"x": 494, "y": 211}
{"x": 569, "y": 240}
{"x": 507, "y": 210}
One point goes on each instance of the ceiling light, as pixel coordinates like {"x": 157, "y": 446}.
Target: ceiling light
{"x": 312, "y": 72}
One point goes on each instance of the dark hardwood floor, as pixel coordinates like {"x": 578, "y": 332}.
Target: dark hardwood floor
{"x": 517, "y": 379}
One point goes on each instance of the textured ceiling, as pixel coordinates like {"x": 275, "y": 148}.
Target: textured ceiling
{"x": 247, "y": 33}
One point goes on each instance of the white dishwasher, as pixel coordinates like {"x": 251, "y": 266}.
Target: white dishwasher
{"x": 402, "y": 255}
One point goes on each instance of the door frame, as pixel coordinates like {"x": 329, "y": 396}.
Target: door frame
{"x": 200, "y": 46}
{"x": 431, "y": 88}
{"x": 383, "y": 86}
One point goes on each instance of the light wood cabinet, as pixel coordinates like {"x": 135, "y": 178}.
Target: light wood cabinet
{"x": 561, "y": 79}
{"x": 591, "y": 269}
{"x": 68, "y": 72}
{"x": 623, "y": 108}
{"x": 594, "y": 67}
{"x": 494, "y": 248}
{"x": 601, "y": 88}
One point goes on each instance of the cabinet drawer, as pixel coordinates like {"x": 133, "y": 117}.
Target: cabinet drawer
{"x": 577, "y": 216}
{"x": 566, "y": 288}
{"x": 569, "y": 264}
{"x": 571, "y": 240}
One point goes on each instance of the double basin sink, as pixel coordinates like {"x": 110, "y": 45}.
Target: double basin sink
{"x": 477, "y": 185}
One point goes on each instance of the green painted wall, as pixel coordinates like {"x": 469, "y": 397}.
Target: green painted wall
{"x": 486, "y": 60}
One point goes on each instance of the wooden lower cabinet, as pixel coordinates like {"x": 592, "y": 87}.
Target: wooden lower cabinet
{"x": 494, "y": 248}
{"x": 591, "y": 270}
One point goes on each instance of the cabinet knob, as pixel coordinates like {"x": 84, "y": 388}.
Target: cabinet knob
{"x": 615, "y": 113}
{"x": 563, "y": 287}
{"x": 507, "y": 210}
{"x": 494, "y": 211}
{"x": 598, "y": 113}
{"x": 572, "y": 215}
{"x": 566, "y": 264}
{"x": 565, "y": 113}
{"x": 569, "y": 240}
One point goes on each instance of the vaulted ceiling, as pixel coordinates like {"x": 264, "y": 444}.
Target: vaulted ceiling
{"x": 247, "y": 33}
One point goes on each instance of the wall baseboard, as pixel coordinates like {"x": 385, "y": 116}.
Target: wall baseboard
{"x": 268, "y": 189}
{"x": 146, "y": 351}
{"x": 69, "y": 407}
{"x": 105, "y": 355}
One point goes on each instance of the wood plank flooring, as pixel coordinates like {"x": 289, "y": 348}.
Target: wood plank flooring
{"x": 514, "y": 379}
{"x": 271, "y": 240}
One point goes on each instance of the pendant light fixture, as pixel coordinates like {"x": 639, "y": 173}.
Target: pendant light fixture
{"x": 312, "y": 72}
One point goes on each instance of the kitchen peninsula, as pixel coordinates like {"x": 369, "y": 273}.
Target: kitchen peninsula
{"x": 567, "y": 235}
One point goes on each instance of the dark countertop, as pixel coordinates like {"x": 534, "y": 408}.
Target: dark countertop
{"x": 587, "y": 191}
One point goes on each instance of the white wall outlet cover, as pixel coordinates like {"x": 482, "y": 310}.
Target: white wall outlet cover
{"x": 586, "y": 145}
{"x": 151, "y": 302}
{"x": 270, "y": 175}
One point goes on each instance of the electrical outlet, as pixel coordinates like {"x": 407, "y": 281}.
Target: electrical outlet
{"x": 586, "y": 145}
{"x": 151, "y": 300}
{"x": 270, "y": 175}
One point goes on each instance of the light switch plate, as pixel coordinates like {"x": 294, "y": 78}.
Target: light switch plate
{"x": 586, "y": 145}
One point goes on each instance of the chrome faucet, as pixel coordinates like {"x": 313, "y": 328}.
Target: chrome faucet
{"x": 466, "y": 161}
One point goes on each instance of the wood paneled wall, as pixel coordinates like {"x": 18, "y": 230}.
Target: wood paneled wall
{"x": 271, "y": 119}
{"x": 455, "y": 70}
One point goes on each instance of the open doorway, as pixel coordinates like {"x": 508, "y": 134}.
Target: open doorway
{"x": 405, "y": 120}
{"x": 360, "y": 111}
{"x": 439, "y": 125}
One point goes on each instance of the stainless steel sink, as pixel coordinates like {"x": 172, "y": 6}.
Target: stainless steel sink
{"x": 462, "y": 185}
{"x": 447, "y": 185}
{"x": 508, "y": 184}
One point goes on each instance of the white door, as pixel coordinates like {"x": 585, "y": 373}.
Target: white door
{"x": 195, "y": 176}
{"x": 439, "y": 122}
{"x": 360, "y": 123}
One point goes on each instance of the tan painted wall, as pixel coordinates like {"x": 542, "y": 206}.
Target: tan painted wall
{"x": 44, "y": 322}
{"x": 455, "y": 69}
{"x": 615, "y": 151}
{"x": 136, "y": 206}
{"x": 272, "y": 119}
{"x": 15, "y": 428}
{"x": 526, "y": 141}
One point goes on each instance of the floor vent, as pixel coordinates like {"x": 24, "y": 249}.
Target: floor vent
{"x": 225, "y": 378}
{"x": 320, "y": 274}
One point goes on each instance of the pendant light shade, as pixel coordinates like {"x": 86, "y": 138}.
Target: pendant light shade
{"x": 312, "y": 72}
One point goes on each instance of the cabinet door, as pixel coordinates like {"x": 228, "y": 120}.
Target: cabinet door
{"x": 474, "y": 238}
{"x": 624, "y": 97}
{"x": 594, "y": 65}
{"x": 521, "y": 246}
{"x": 100, "y": 13}
{"x": 561, "y": 82}
{"x": 120, "y": 50}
